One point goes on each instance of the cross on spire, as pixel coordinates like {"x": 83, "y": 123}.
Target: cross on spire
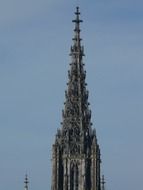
{"x": 77, "y": 39}
{"x": 77, "y": 21}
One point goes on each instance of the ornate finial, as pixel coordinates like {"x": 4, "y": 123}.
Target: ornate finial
{"x": 103, "y": 183}
{"x": 77, "y": 11}
{"x": 26, "y": 182}
{"x": 77, "y": 30}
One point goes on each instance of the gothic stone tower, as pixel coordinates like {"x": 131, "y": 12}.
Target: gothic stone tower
{"x": 76, "y": 153}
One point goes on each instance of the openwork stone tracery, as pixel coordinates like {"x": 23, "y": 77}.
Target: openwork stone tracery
{"x": 76, "y": 153}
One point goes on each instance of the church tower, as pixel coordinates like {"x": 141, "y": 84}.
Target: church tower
{"x": 76, "y": 153}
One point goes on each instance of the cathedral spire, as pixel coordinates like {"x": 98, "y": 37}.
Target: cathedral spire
{"x": 76, "y": 104}
{"x": 76, "y": 49}
{"x": 77, "y": 30}
{"x": 76, "y": 154}
{"x": 26, "y": 182}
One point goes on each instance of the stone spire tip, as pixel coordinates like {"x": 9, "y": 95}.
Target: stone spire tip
{"x": 26, "y": 181}
{"x": 77, "y": 10}
{"x": 103, "y": 182}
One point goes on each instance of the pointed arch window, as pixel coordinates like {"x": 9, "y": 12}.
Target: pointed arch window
{"x": 74, "y": 176}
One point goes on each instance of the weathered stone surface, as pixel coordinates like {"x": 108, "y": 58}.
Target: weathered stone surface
{"x": 76, "y": 153}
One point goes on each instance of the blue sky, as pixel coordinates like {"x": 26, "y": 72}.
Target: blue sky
{"x": 35, "y": 41}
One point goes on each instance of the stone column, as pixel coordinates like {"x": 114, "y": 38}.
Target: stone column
{"x": 57, "y": 171}
{"x": 82, "y": 185}
{"x": 65, "y": 175}
{"x": 93, "y": 173}
{"x": 54, "y": 171}
{"x": 68, "y": 167}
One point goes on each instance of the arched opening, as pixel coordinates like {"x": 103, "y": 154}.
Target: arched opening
{"x": 74, "y": 176}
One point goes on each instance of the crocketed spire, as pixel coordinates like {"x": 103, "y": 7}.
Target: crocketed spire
{"x": 76, "y": 153}
{"x": 76, "y": 104}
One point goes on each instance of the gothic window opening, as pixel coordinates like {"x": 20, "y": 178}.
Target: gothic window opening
{"x": 72, "y": 178}
{"x": 74, "y": 175}
{"x": 76, "y": 179}
{"x": 76, "y": 153}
